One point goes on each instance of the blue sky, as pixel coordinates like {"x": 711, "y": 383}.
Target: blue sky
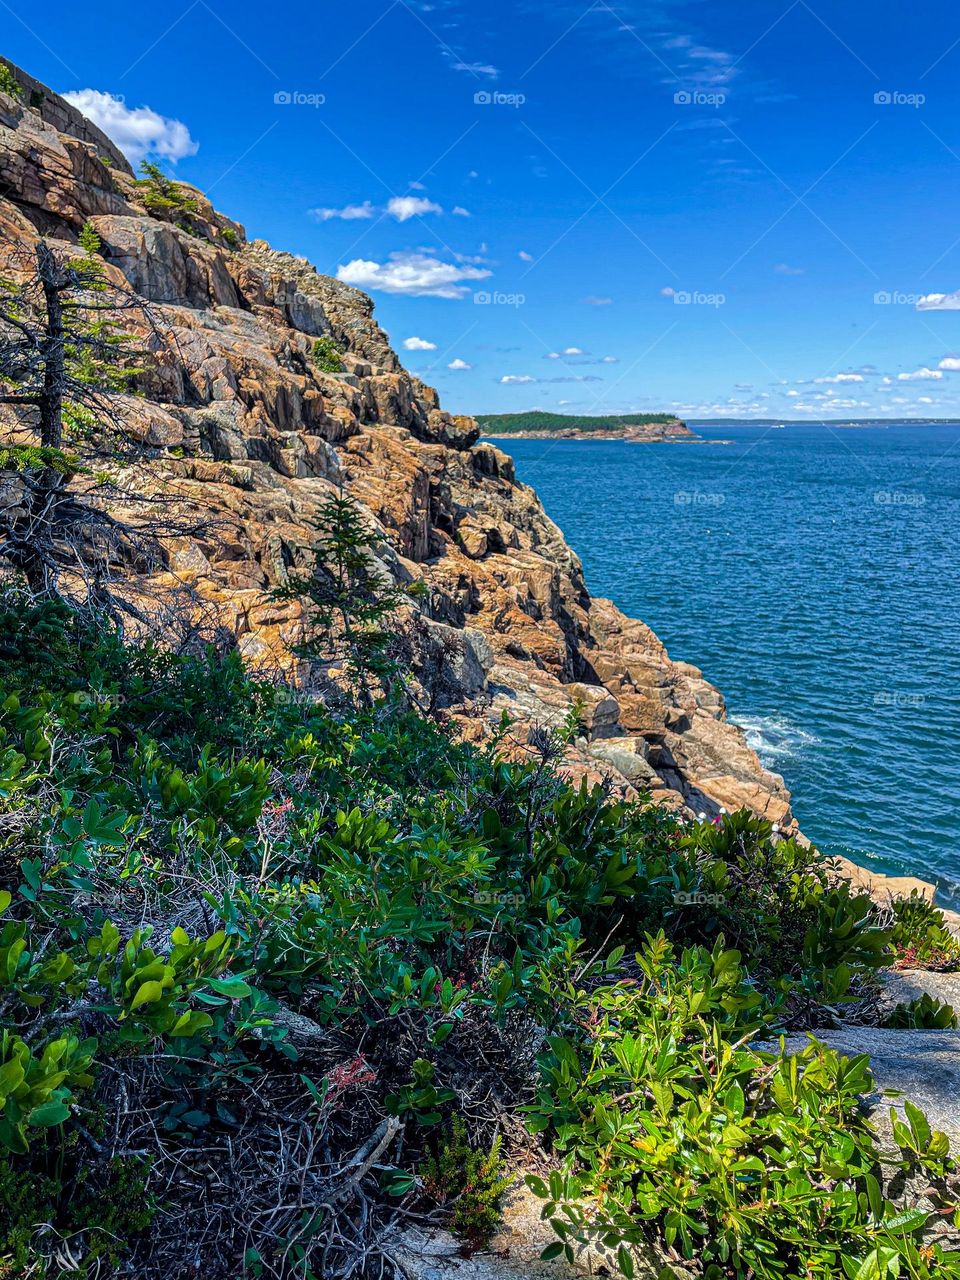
{"x": 743, "y": 210}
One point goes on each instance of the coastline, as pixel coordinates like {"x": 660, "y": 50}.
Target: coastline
{"x": 668, "y": 433}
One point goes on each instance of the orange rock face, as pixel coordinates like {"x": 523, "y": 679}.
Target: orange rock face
{"x": 247, "y": 432}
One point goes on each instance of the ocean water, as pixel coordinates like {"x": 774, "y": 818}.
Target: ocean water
{"x": 811, "y": 572}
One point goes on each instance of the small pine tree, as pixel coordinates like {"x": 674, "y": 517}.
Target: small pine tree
{"x": 162, "y": 195}
{"x": 349, "y": 600}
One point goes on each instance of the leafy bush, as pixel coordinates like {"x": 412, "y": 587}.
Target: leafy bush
{"x": 8, "y": 82}
{"x": 327, "y": 356}
{"x": 923, "y": 1012}
{"x": 673, "y": 1124}
{"x": 91, "y": 1210}
{"x": 920, "y": 937}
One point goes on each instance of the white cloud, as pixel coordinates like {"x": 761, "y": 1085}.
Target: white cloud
{"x": 667, "y": 292}
{"x": 416, "y": 186}
{"x": 416, "y": 275}
{"x": 920, "y": 375}
{"x": 459, "y": 364}
{"x": 594, "y": 301}
{"x": 842, "y": 377}
{"x": 924, "y": 400}
{"x": 785, "y": 269}
{"x": 949, "y": 362}
{"x": 137, "y": 131}
{"x": 610, "y": 360}
{"x": 349, "y": 213}
{"x": 460, "y": 211}
{"x": 477, "y": 69}
{"x": 793, "y": 393}
{"x": 525, "y": 377}
{"x": 418, "y": 344}
{"x": 405, "y": 207}
{"x": 940, "y": 302}
{"x": 524, "y": 256}
{"x": 573, "y": 351}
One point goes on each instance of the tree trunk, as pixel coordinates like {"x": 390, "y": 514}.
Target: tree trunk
{"x": 52, "y": 348}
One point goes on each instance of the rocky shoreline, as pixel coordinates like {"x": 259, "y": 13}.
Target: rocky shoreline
{"x": 245, "y": 428}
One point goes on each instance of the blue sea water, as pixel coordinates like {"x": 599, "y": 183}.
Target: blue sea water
{"x": 811, "y": 572}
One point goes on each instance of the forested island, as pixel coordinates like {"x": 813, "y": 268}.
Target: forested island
{"x": 539, "y": 424}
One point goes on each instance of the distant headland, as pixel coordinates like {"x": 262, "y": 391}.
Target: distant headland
{"x": 539, "y": 425}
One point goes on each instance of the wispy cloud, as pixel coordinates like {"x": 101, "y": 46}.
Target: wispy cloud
{"x": 349, "y": 213}
{"x": 940, "y": 302}
{"x": 402, "y": 208}
{"x": 478, "y": 69}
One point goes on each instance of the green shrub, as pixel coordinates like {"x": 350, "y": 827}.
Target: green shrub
{"x": 470, "y": 1181}
{"x": 194, "y": 860}
{"x": 161, "y": 195}
{"x": 920, "y": 937}
{"x": 327, "y": 356}
{"x": 8, "y": 82}
{"x": 923, "y": 1012}
{"x": 673, "y": 1124}
{"x": 96, "y": 1209}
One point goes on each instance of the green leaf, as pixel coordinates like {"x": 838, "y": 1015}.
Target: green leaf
{"x": 48, "y": 1114}
{"x": 11, "y": 1077}
{"x": 5, "y": 899}
{"x": 149, "y": 993}
{"x": 188, "y": 1024}
{"x": 233, "y": 988}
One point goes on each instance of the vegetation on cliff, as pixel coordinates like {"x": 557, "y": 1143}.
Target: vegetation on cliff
{"x": 265, "y": 970}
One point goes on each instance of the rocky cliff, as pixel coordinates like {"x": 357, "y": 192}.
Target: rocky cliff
{"x": 247, "y": 431}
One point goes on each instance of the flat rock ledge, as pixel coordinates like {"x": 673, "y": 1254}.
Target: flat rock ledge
{"x": 923, "y": 1066}
{"x": 514, "y": 1253}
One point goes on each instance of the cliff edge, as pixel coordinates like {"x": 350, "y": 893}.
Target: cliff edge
{"x": 245, "y": 429}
